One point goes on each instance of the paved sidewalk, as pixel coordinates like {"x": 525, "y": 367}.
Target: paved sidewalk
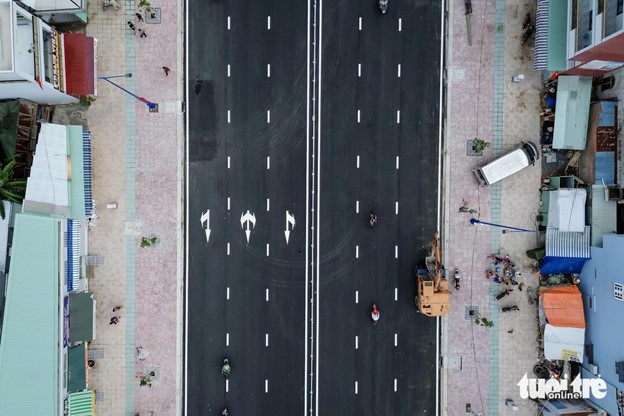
{"x": 484, "y": 103}
{"x": 138, "y": 163}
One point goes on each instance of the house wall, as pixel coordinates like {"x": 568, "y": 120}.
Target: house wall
{"x": 603, "y": 314}
{"x": 31, "y": 91}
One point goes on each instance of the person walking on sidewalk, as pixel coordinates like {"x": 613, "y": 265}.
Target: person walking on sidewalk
{"x": 142, "y": 33}
{"x": 131, "y": 26}
{"x": 114, "y": 320}
{"x": 167, "y": 70}
{"x": 139, "y": 17}
{"x": 118, "y": 307}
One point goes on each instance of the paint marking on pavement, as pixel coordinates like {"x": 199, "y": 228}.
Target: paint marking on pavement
{"x": 227, "y": 293}
{"x": 266, "y": 295}
{"x": 228, "y": 116}
{"x": 396, "y": 294}
{"x": 266, "y": 340}
{"x": 396, "y": 252}
{"x": 357, "y": 296}
{"x": 227, "y": 385}
{"x": 268, "y": 70}
{"x": 358, "y": 116}
{"x": 395, "y": 384}
{"x": 400, "y": 24}
{"x": 396, "y": 208}
{"x": 268, "y": 204}
{"x": 268, "y": 162}
{"x": 357, "y": 252}
{"x": 228, "y": 203}
{"x": 357, "y": 161}
{"x": 228, "y": 162}
{"x": 359, "y": 70}
{"x": 268, "y": 116}
{"x": 266, "y": 386}
{"x": 227, "y": 339}
{"x": 397, "y": 162}
{"x": 228, "y": 70}
{"x": 268, "y": 22}
{"x": 356, "y": 342}
{"x": 359, "y": 23}
{"x": 357, "y": 207}
{"x": 356, "y": 387}
{"x": 229, "y": 26}
{"x": 399, "y": 71}
{"x": 228, "y": 249}
{"x": 267, "y": 250}
{"x": 398, "y": 116}
{"x": 396, "y": 340}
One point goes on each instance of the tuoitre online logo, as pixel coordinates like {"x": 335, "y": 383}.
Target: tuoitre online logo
{"x": 581, "y": 388}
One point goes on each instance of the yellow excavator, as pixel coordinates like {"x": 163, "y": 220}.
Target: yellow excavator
{"x": 433, "y": 297}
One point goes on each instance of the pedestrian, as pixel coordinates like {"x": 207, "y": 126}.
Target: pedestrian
{"x": 118, "y": 307}
{"x": 139, "y": 17}
{"x": 114, "y": 320}
{"x": 131, "y": 26}
{"x": 142, "y": 33}
{"x": 167, "y": 70}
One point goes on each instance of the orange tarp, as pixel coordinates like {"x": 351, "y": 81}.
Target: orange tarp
{"x": 563, "y": 306}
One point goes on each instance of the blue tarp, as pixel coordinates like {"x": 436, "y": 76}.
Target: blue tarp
{"x": 566, "y": 265}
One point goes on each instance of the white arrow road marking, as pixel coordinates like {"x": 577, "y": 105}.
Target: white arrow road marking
{"x": 205, "y": 218}
{"x": 247, "y": 219}
{"x": 290, "y": 219}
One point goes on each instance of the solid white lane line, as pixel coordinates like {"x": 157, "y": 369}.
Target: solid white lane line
{"x": 229, "y": 27}
{"x": 228, "y": 203}
{"x": 266, "y": 340}
{"x": 227, "y": 385}
{"x": 228, "y": 116}
{"x": 359, "y": 23}
{"x": 229, "y": 162}
{"x": 358, "y": 116}
{"x": 266, "y": 386}
{"x": 356, "y": 342}
{"x": 400, "y": 24}
{"x": 268, "y": 204}
{"x": 357, "y": 161}
{"x": 268, "y": 70}
{"x": 396, "y": 340}
{"x": 399, "y": 71}
{"x": 268, "y": 116}
{"x": 268, "y": 22}
{"x": 357, "y": 207}
{"x": 359, "y": 70}
{"x": 396, "y": 208}
{"x": 267, "y": 249}
{"x": 266, "y": 295}
{"x": 395, "y": 384}
{"x": 396, "y": 252}
{"x": 228, "y": 249}
{"x": 357, "y": 296}
{"x": 268, "y": 162}
{"x": 356, "y": 387}
{"x": 227, "y": 339}
{"x": 396, "y": 294}
{"x": 357, "y": 252}
{"x": 228, "y": 70}
{"x": 397, "y": 162}
{"x": 227, "y": 293}
{"x": 398, "y": 116}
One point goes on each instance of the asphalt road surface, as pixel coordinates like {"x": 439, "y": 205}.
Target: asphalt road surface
{"x": 303, "y": 118}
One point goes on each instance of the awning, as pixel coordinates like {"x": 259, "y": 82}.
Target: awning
{"x": 540, "y": 57}
{"x": 77, "y": 177}
{"x": 86, "y": 161}
{"x": 81, "y": 403}
{"x": 73, "y": 254}
{"x": 566, "y": 244}
{"x": 77, "y": 368}
{"x": 562, "y": 343}
{"x": 80, "y": 53}
{"x": 81, "y": 317}
{"x": 572, "y": 112}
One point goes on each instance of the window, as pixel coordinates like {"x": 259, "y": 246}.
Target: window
{"x": 620, "y": 6}
{"x": 48, "y": 57}
{"x": 618, "y": 291}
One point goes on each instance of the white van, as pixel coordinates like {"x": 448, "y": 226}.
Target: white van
{"x": 508, "y": 163}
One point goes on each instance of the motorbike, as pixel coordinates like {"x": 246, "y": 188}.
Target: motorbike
{"x": 226, "y": 369}
{"x": 527, "y": 33}
{"x": 383, "y": 6}
{"x": 375, "y": 314}
{"x": 504, "y": 293}
{"x": 372, "y": 219}
{"x": 457, "y": 279}
{"x": 225, "y": 412}
{"x": 509, "y": 308}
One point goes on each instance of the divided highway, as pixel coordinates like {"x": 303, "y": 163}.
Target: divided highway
{"x": 303, "y": 117}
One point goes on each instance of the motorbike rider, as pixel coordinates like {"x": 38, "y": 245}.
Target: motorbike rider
{"x": 226, "y": 369}
{"x": 373, "y": 218}
{"x": 375, "y": 313}
{"x": 383, "y": 6}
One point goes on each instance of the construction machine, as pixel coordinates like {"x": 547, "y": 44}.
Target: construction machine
{"x": 433, "y": 297}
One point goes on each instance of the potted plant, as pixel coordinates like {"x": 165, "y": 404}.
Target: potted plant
{"x": 479, "y": 145}
{"x": 145, "y": 4}
{"x": 86, "y": 100}
{"x": 146, "y": 380}
{"x": 484, "y": 322}
{"x": 148, "y": 241}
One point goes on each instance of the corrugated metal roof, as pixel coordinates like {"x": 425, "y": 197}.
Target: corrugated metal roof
{"x": 81, "y": 403}
{"x": 29, "y": 346}
{"x": 568, "y": 244}
{"x": 47, "y": 190}
{"x": 77, "y": 181}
